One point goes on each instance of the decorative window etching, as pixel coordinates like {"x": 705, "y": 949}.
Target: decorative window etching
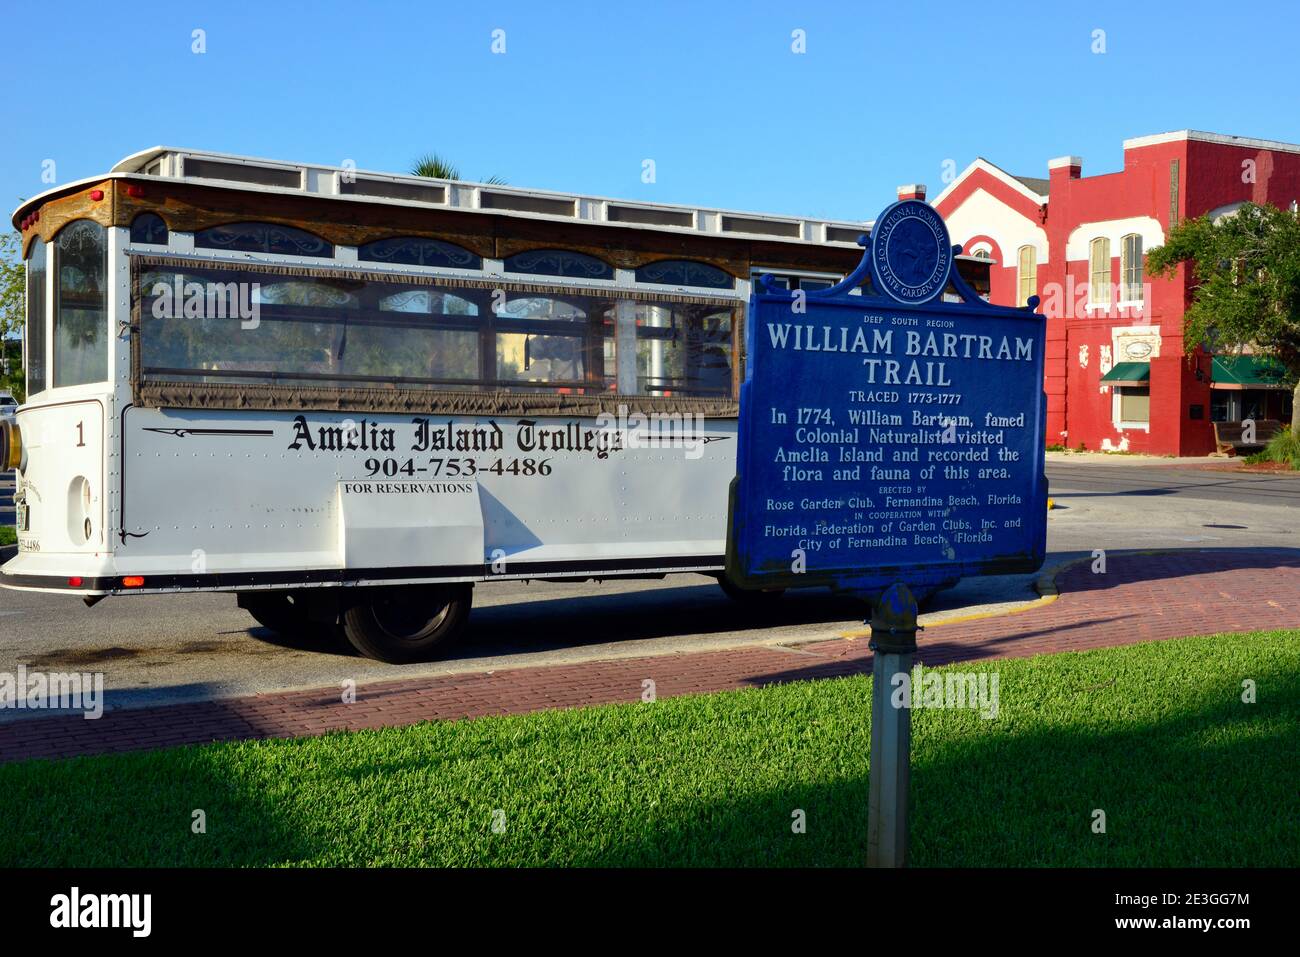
{"x": 263, "y": 238}
{"x": 559, "y": 262}
{"x": 414, "y": 251}
{"x": 685, "y": 272}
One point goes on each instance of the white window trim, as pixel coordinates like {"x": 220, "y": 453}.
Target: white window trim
{"x": 1110, "y": 285}
{"x": 1077, "y": 243}
{"x": 1122, "y": 426}
{"x": 1125, "y": 266}
{"x": 1021, "y": 273}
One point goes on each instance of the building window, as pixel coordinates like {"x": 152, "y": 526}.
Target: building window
{"x": 1099, "y": 272}
{"x": 263, "y": 238}
{"x": 149, "y": 229}
{"x": 1133, "y": 407}
{"x": 34, "y": 331}
{"x": 80, "y": 305}
{"x": 1026, "y": 275}
{"x": 1224, "y": 407}
{"x": 1131, "y": 267}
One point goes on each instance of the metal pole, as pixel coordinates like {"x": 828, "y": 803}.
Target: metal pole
{"x": 893, "y": 641}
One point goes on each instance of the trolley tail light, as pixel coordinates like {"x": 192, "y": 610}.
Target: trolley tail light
{"x": 133, "y": 581}
{"x": 74, "y": 581}
{"x": 11, "y": 446}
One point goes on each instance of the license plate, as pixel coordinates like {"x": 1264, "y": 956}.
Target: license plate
{"x": 24, "y": 518}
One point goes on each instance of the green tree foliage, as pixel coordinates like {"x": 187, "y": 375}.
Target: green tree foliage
{"x": 1244, "y": 274}
{"x": 13, "y": 310}
{"x": 13, "y": 302}
{"x": 437, "y": 167}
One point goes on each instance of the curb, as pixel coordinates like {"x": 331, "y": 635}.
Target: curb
{"x": 1044, "y": 584}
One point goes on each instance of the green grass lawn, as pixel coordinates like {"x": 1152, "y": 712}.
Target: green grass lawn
{"x": 1156, "y": 735}
{"x": 8, "y": 535}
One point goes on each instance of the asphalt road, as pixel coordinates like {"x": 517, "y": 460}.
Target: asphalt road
{"x": 175, "y": 648}
{"x": 1117, "y": 505}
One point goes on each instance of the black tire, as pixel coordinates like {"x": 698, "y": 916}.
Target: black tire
{"x": 403, "y": 625}
{"x": 282, "y": 613}
{"x": 753, "y": 599}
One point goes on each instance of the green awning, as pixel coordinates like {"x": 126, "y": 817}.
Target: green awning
{"x": 1129, "y": 373}
{"x": 1248, "y": 372}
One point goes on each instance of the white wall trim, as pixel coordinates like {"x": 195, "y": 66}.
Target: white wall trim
{"x": 1222, "y": 212}
{"x": 1220, "y": 138}
{"x": 983, "y": 164}
{"x": 983, "y": 214}
{"x": 1081, "y": 237}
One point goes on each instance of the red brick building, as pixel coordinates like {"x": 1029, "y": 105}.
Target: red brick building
{"x": 1118, "y": 376}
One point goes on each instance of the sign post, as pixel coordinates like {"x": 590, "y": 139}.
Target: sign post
{"x": 890, "y": 436}
{"x": 893, "y": 642}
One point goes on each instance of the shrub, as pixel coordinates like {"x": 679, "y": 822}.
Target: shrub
{"x": 1283, "y": 447}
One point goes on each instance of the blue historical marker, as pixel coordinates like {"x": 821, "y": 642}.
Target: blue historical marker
{"x": 892, "y": 437}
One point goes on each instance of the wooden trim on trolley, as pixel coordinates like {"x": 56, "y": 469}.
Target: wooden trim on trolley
{"x": 190, "y": 207}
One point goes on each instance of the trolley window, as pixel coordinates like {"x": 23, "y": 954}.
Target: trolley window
{"x": 243, "y": 324}
{"x": 34, "y": 330}
{"x": 80, "y": 313}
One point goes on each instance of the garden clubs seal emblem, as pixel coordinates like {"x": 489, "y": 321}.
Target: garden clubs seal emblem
{"x": 911, "y": 256}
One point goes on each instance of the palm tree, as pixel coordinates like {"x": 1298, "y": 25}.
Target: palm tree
{"x": 435, "y": 167}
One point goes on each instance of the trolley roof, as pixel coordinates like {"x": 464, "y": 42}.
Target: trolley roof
{"x": 347, "y": 184}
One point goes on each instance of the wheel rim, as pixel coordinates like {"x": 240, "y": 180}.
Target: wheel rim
{"x": 408, "y": 620}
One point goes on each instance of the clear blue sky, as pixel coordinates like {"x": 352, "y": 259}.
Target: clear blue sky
{"x": 586, "y": 91}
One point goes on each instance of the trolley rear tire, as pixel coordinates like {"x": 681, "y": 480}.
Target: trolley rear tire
{"x": 283, "y": 613}
{"x": 404, "y": 625}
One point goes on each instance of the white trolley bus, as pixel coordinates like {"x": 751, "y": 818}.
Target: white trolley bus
{"x": 348, "y": 396}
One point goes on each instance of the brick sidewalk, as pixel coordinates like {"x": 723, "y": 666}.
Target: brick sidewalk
{"x": 1140, "y": 598}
